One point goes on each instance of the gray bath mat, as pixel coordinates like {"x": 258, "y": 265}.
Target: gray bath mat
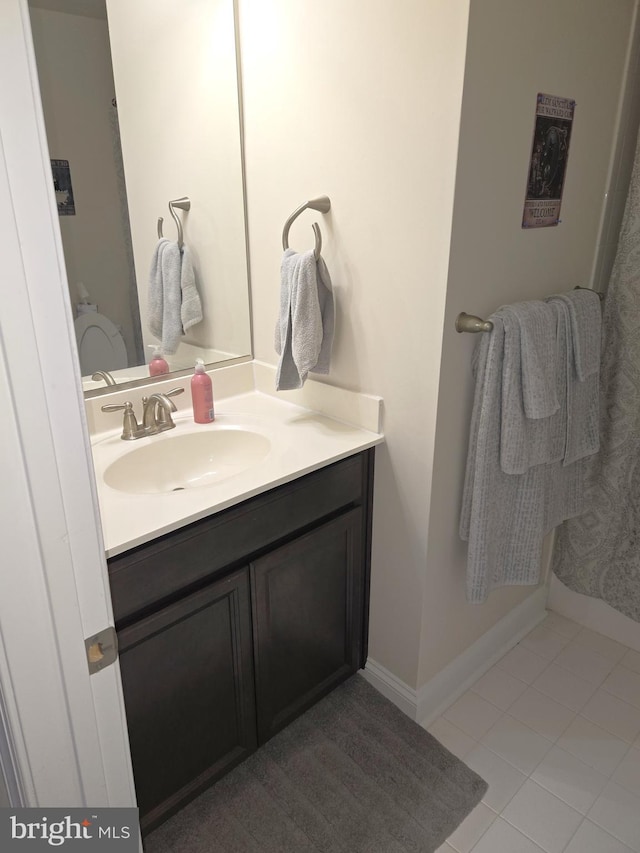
{"x": 352, "y": 775}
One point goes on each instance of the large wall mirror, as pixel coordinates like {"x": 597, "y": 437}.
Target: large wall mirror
{"x": 141, "y": 106}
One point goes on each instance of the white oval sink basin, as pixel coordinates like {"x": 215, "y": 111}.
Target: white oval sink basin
{"x": 188, "y": 461}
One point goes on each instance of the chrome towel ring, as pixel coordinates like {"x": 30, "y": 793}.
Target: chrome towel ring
{"x": 183, "y": 203}
{"x": 323, "y": 204}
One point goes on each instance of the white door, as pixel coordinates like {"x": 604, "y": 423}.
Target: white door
{"x": 63, "y": 736}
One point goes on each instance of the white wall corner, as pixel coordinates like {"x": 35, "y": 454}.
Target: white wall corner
{"x": 385, "y": 682}
{"x": 427, "y": 703}
{"x": 593, "y": 613}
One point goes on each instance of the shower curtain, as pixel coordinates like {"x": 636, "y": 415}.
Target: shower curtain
{"x": 598, "y": 554}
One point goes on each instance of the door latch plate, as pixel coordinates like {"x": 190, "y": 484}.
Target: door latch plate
{"x": 102, "y": 649}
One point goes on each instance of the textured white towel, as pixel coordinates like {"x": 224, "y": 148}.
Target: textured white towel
{"x": 155, "y": 293}
{"x": 304, "y": 329}
{"x": 191, "y": 308}
{"x": 506, "y": 516}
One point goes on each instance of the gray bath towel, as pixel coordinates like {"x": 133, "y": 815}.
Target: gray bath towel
{"x": 581, "y": 315}
{"x": 155, "y": 295}
{"x": 505, "y": 517}
{"x": 304, "y": 330}
{"x": 191, "y": 308}
{"x": 533, "y": 422}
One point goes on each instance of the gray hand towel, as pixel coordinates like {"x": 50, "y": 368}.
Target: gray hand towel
{"x": 532, "y": 428}
{"x": 305, "y": 326}
{"x": 537, "y": 322}
{"x": 327, "y": 312}
{"x": 155, "y": 293}
{"x": 586, "y": 327}
{"x": 581, "y": 315}
{"x": 171, "y": 265}
{"x": 191, "y": 309}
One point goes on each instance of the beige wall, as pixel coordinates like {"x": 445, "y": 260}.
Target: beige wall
{"x": 76, "y": 83}
{"x": 361, "y": 101}
{"x": 513, "y": 54}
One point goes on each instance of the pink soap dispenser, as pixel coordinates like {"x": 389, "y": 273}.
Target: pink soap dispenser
{"x": 202, "y": 395}
{"x": 157, "y": 365}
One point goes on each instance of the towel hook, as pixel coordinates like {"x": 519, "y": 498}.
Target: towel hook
{"x": 323, "y": 204}
{"x": 183, "y": 203}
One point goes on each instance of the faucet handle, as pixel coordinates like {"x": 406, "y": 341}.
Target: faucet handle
{"x": 163, "y": 415}
{"x": 130, "y": 427}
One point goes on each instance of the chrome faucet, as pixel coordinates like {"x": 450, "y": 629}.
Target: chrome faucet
{"x": 156, "y": 415}
{"x": 103, "y": 374}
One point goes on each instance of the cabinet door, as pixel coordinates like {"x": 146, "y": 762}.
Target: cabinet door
{"x": 307, "y": 611}
{"x": 187, "y": 674}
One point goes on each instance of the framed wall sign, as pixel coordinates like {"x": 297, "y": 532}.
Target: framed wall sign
{"x": 63, "y": 188}
{"x": 548, "y": 163}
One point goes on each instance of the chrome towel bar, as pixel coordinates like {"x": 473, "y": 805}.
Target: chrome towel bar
{"x": 470, "y": 323}
{"x": 600, "y": 294}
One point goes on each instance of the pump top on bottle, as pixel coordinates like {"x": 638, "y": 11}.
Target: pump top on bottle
{"x": 157, "y": 365}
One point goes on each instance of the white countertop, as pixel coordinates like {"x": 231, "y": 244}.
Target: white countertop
{"x": 301, "y": 441}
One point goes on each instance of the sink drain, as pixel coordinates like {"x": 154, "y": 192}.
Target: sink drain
{"x": 178, "y": 489}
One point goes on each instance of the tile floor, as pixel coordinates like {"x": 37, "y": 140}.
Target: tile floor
{"x": 554, "y": 728}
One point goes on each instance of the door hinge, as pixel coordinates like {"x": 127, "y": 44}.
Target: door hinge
{"x": 102, "y": 649}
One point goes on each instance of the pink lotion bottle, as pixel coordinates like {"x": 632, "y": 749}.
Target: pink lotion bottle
{"x": 202, "y": 395}
{"x": 157, "y": 365}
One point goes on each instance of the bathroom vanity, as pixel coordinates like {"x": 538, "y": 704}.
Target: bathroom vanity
{"x": 233, "y": 626}
{"x": 241, "y": 604}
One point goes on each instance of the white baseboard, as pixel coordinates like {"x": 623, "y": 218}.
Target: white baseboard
{"x": 395, "y": 690}
{"x": 436, "y": 695}
{"x": 594, "y": 613}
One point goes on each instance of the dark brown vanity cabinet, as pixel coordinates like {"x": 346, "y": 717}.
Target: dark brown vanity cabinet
{"x": 231, "y": 627}
{"x": 307, "y": 619}
{"x": 187, "y": 676}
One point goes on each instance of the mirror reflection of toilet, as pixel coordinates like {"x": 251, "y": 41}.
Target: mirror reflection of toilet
{"x": 100, "y": 344}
